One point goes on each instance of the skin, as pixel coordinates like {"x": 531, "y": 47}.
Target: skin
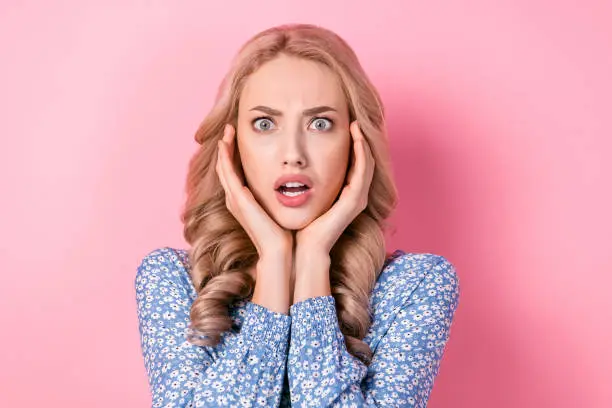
{"x": 294, "y": 243}
{"x": 289, "y": 143}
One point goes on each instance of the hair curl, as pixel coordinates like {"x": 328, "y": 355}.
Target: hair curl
{"x": 221, "y": 251}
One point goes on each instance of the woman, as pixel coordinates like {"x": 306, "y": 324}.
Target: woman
{"x": 286, "y": 294}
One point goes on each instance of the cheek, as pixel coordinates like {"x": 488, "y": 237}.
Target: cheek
{"x": 253, "y": 166}
{"x": 336, "y": 166}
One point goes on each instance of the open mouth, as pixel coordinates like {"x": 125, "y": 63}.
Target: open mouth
{"x": 293, "y": 194}
{"x": 293, "y": 189}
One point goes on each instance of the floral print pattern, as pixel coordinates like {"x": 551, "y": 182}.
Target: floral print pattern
{"x": 270, "y": 359}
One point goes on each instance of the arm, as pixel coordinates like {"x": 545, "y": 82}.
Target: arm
{"x": 245, "y": 368}
{"x": 323, "y": 373}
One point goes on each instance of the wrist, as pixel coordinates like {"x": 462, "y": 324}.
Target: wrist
{"x": 310, "y": 249}
{"x": 276, "y": 252}
{"x": 311, "y": 275}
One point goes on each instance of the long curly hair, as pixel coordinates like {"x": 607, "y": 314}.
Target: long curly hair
{"x": 220, "y": 250}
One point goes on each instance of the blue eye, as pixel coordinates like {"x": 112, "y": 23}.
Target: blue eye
{"x": 265, "y": 123}
{"x": 320, "y": 124}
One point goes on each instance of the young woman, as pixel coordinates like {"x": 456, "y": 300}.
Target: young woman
{"x": 286, "y": 295}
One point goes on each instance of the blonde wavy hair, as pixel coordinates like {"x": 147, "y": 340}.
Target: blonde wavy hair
{"x": 221, "y": 252}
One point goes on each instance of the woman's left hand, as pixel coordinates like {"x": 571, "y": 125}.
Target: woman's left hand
{"x": 322, "y": 233}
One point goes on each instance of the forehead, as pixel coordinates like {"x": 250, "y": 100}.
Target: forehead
{"x": 287, "y": 83}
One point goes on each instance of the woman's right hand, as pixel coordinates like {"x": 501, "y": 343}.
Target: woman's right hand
{"x": 268, "y": 237}
{"x": 274, "y": 244}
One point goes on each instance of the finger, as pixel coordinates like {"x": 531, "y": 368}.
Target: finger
{"x": 370, "y": 163}
{"x": 357, "y": 170}
{"x": 366, "y": 151}
{"x": 226, "y": 150}
{"x": 364, "y": 169}
{"x": 230, "y": 177}
{"x": 229, "y": 134}
{"x": 230, "y": 138}
{"x": 356, "y": 130}
{"x": 220, "y": 169}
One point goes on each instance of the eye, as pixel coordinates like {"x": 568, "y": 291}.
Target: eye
{"x": 262, "y": 124}
{"x": 322, "y": 124}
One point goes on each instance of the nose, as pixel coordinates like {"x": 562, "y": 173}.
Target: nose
{"x": 297, "y": 162}
{"x": 293, "y": 153}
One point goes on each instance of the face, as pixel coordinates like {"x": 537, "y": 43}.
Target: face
{"x": 293, "y": 139}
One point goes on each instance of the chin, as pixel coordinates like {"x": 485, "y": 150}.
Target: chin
{"x": 294, "y": 221}
{"x": 293, "y": 224}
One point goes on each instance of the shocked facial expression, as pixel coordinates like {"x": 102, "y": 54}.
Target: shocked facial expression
{"x": 293, "y": 139}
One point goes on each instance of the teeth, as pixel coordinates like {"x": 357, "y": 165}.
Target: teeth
{"x": 292, "y": 194}
{"x": 293, "y": 184}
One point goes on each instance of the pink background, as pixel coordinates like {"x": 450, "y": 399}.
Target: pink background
{"x": 500, "y": 120}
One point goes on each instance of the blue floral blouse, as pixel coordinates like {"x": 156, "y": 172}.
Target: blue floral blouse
{"x": 271, "y": 359}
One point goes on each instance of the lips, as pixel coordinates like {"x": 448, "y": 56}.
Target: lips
{"x": 296, "y": 178}
{"x": 295, "y": 200}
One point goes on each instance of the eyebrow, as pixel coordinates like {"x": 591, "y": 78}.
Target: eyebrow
{"x": 307, "y": 112}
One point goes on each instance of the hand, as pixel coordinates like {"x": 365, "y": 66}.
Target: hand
{"x": 322, "y": 233}
{"x": 265, "y": 233}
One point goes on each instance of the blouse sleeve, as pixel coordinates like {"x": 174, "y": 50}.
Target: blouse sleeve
{"x": 247, "y": 369}
{"x": 323, "y": 373}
